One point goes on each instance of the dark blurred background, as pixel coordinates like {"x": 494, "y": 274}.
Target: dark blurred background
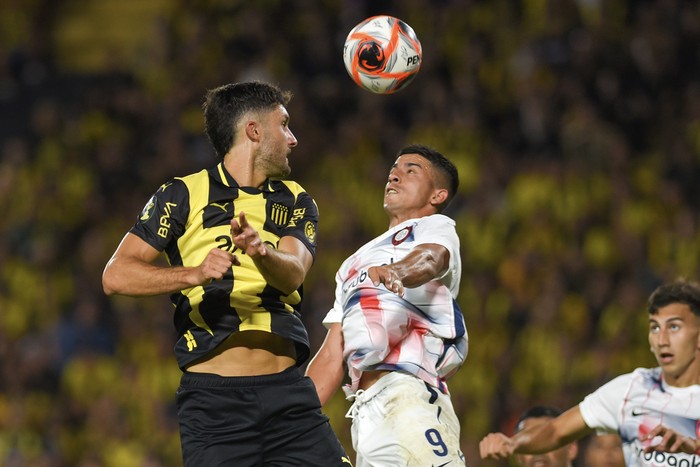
{"x": 575, "y": 125}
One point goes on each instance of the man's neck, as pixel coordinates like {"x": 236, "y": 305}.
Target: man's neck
{"x": 242, "y": 168}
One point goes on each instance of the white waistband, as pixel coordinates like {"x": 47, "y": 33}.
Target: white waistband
{"x": 362, "y": 396}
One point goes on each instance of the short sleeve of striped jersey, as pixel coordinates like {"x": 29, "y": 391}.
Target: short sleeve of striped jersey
{"x": 303, "y": 224}
{"x": 164, "y": 216}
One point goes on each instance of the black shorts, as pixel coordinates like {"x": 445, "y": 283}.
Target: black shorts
{"x": 270, "y": 420}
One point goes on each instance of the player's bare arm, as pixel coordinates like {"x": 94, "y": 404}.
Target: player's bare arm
{"x": 131, "y": 271}
{"x": 537, "y": 439}
{"x": 423, "y": 264}
{"x": 283, "y": 268}
{"x": 671, "y": 441}
{"x": 326, "y": 369}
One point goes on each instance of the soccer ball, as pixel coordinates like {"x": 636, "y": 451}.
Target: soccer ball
{"x": 382, "y": 54}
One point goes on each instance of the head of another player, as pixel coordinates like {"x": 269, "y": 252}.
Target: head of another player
{"x": 562, "y": 457}
{"x": 421, "y": 182}
{"x": 674, "y": 331}
{"x": 251, "y": 112}
{"x": 603, "y": 450}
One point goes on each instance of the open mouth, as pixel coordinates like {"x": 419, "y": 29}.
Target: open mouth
{"x": 665, "y": 358}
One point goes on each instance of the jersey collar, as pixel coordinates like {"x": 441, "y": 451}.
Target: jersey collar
{"x": 222, "y": 175}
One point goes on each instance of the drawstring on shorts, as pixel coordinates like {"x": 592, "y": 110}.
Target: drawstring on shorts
{"x": 357, "y": 401}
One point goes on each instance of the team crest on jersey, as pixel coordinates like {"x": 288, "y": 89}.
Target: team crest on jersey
{"x": 401, "y": 235}
{"x": 310, "y": 231}
{"x": 148, "y": 209}
{"x": 279, "y": 213}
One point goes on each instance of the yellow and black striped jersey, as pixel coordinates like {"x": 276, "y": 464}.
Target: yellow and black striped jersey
{"x": 189, "y": 216}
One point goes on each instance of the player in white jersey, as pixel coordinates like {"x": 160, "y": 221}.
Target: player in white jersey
{"x": 655, "y": 411}
{"x": 396, "y": 324}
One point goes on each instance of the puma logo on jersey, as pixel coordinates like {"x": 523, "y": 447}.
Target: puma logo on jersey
{"x": 217, "y": 213}
{"x": 220, "y": 206}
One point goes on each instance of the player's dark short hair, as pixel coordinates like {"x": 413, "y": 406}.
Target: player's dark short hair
{"x": 537, "y": 411}
{"x": 678, "y": 291}
{"x": 226, "y": 105}
{"x": 440, "y": 162}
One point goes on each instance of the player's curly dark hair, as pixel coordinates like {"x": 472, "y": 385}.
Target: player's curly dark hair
{"x": 440, "y": 162}
{"x": 679, "y": 291}
{"x": 224, "y": 106}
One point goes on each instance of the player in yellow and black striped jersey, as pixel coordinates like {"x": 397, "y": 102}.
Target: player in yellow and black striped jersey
{"x": 189, "y": 214}
{"x": 239, "y": 240}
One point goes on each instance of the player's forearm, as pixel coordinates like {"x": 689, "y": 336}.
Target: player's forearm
{"x": 132, "y": 277}
{"x": 537, "y": 442}
{"x": 421, "y": 266}
{"x": 553, "y": 434}
{"x": 281, "y": 270}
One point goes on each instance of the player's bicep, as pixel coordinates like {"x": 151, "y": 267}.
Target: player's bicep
{"x": 333, "y": 343}
{"x": 133, "y": 247}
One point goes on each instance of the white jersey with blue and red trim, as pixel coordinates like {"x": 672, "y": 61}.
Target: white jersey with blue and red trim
{"x": 423, "y": 332}
{"x": 635, "y": 403}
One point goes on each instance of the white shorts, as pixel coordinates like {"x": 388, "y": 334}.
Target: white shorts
{"x": 401, "y": 421}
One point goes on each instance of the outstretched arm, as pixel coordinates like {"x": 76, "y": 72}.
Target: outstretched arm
{"x": 537, "y": 439}
{"x": 423, "y": 264}
{"x": 130, "y": 270}
{"x": 326, "y": 368}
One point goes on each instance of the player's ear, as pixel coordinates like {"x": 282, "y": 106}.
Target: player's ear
{"x": 439, "y": 196}
{"x": 252, "y": 130}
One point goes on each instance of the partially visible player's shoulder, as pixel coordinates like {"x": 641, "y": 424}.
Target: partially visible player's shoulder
{"x": 644, "y": 378}
{"x": 193, "y": 177}
{"x": 438, "y": 218}
{"x": 290, "y": 185}
{"x": 435, "y": 223}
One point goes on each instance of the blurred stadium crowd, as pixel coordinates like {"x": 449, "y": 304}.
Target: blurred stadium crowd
{"x": 575, "y": 125}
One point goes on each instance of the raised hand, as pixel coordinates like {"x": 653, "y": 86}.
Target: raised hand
{"x": 246, "y": 238}
{"x": 217, "y": 263}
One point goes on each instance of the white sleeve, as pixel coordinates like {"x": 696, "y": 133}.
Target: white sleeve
{"x": 335, "y": 314}
{"x": 601, "y": 409}
{"x": 441, "y": 230}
